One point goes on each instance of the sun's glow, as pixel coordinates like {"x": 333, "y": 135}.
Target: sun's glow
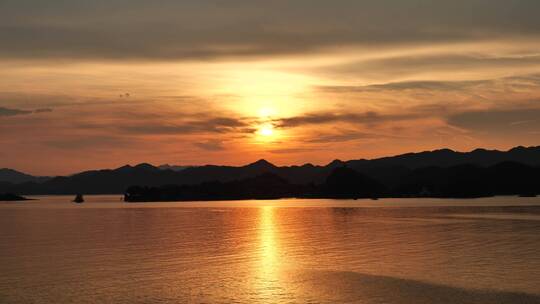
{"x": 266, "y": 130}
{"x": 267, "y": 112}
{"x": 262, "y": 91}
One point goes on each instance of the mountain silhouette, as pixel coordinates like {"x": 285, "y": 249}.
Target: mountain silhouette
{"x": 345, "y": 182}
{"x": 435, "y": 173}
{"x": 446, "y": 158}
{"x": 261, "y": 164}
{"x": 173, "y": 167}
{"x": 460, "y": 181}
{"x": 13, "y": 176}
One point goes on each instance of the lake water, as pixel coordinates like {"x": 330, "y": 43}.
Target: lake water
{"x": 285, "y": 251}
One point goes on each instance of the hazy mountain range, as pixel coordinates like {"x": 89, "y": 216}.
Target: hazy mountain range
{"x": 396, "y": 172}
{"x": 16, "y": 177}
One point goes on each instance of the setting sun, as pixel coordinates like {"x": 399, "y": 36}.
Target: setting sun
{"x": 266, "y": 130}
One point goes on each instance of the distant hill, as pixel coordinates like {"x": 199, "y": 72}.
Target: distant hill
{"x": 13, "y": 176}
{"x": 396, "y": 172}
{"x": 173, "y": 167}
{"x": 446, "y": 158}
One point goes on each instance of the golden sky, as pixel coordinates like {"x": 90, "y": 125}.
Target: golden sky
{"x": 98, "y": 84}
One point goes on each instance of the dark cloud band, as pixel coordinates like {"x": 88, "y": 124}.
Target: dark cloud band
{"x": 208, "y": 29}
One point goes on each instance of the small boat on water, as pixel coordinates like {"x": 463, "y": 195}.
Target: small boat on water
{"x": 78, "y": 199}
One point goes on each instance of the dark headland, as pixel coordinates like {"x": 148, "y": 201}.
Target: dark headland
{"x": 10, "y": 197}
{"x": 440, "y": 173}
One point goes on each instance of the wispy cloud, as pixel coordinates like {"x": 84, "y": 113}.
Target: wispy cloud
{"x": 498, "y": 121}
{"x": 194, "y": 123}
{"x": 12, "y": 112}
{"x": 172, "y": 30}
{"x": 403, "y": 86}
{"x": 210, "y": 145}
{"x": 318, "y": 118}
{"x": 464, "y": 86}
{"x": 43, "y": 110}
{"x": 346, "y": 136}
{"x": 91, "y": 142}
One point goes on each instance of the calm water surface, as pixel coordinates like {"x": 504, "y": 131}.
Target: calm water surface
{"x": 286, "y": 251}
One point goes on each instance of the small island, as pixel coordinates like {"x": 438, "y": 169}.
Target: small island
{"x": 10, "y": 197}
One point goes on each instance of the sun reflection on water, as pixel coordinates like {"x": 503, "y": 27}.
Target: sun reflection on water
{"x": 268, "y": 280}
{"x": 268, "y": 241}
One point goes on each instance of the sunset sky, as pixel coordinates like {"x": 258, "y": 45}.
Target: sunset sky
{"x": 99, "y": 84}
